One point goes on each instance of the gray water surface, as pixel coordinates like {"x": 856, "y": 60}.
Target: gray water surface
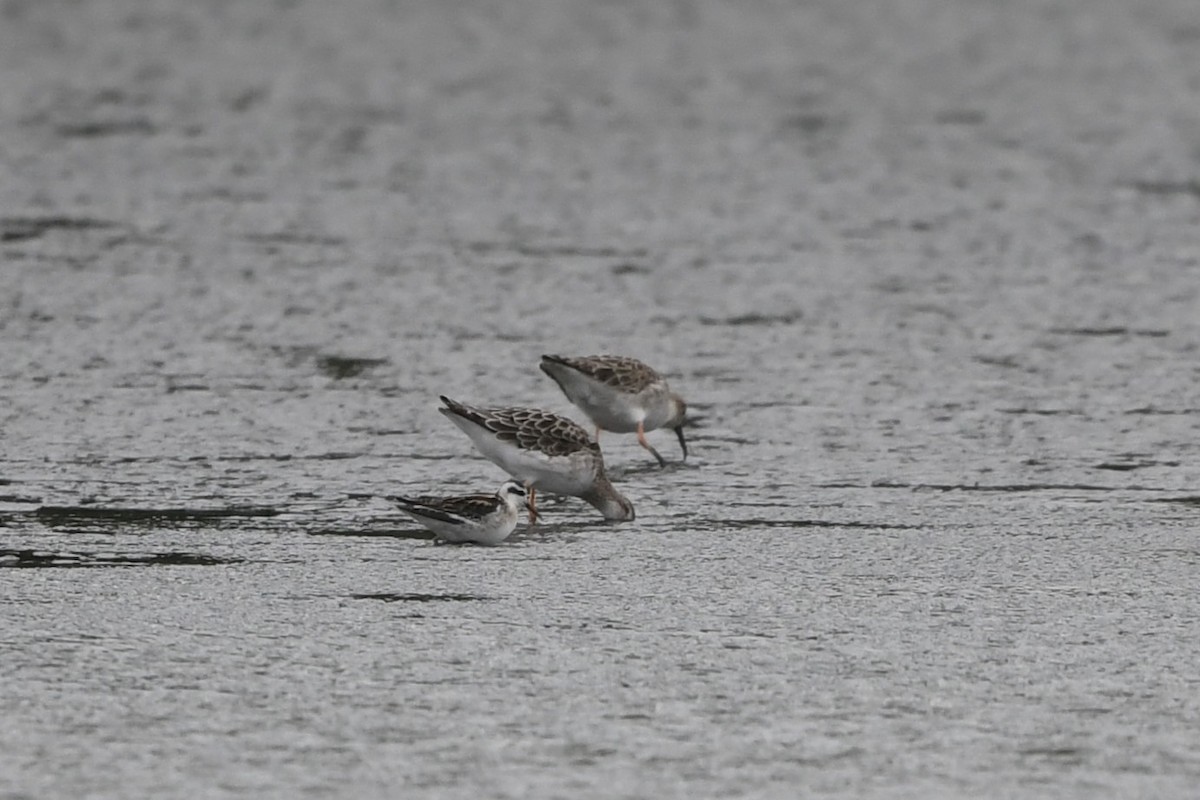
{"x": 927, "y": 273}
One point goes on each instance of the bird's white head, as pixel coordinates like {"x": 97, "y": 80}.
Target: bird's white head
{"x": 512, "y": 493}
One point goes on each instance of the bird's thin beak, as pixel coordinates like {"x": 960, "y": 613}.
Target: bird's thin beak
{"x": 682, "y": 442}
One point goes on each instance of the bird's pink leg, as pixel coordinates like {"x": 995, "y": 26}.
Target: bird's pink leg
{"x": 642, "y": 441}
{"x": 532, "y": 505}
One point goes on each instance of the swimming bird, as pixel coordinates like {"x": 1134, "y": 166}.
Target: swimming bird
{"x": 619, "y": 394}
{"x": 476, "y": 518}
{"x": 542, "y": 450}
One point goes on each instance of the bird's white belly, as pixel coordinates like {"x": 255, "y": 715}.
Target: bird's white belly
{"x": 490, "y": 530}
{"x": 449, "y": 531}
{"x": 563, "y": 475}
{"x": 608, "y": 409}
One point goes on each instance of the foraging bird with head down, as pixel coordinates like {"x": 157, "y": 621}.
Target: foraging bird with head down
{"x": 544, "y": 451}
{"x": 619, "y": 394}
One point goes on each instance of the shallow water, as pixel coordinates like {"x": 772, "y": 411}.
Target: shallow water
{"x": 924, "y": 273}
